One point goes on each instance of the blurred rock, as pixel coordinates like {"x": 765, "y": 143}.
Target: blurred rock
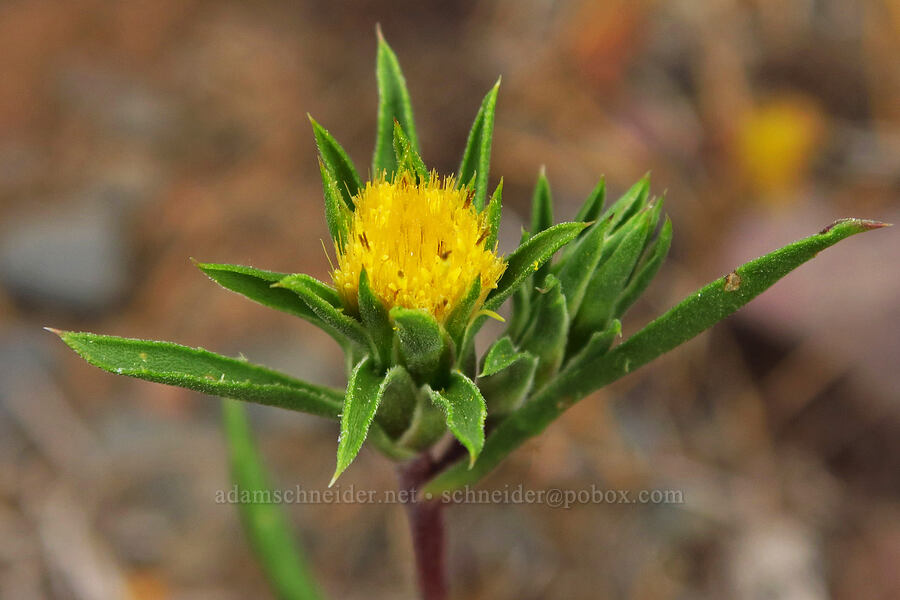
{"x": 75, "y": 260}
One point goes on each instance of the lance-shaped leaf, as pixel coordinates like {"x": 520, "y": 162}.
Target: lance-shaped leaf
{"x": 628, "y": 204}
{"x": 264, "y": 522}
{"x": 465, "y": 411}
{"x": 546, "y": 335}
{"x": 499, "y": 356}
{"x": 476, "y": 159}
{"x": 696, "y": 313}
{"x": 337, "y": 215}
{"x": 407, "y": 157}
{"x": 541, "y": 217}
{"x": 202, "y": 371}
{"x": 592, "y": 207}
{"x": 598, "y": 345}
{"x": 421, "y": 343}
{"x": 505, "y": 390}
{"x": 580, "y": 263}
{"x": 393, "y": 104}
{"x": 608, "y": 282}
{"x": 492, "y": 216}
{"x": 364, "y": 391}
{"x": 529, "y": 257}
{"x": 338, "y": 163}
{"x": 646, "y": 270}
{"x": 375, "y": 317}
{"x": 310, "y": 291}
{"x": 541, "y": 205}
{"x": 506, "y": 376}
{"x": 256, "y": 285}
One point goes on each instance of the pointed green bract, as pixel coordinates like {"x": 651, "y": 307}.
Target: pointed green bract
{"x": 407, "y": 157}
{"x": 494, "y": 210}
{"x": 256, "y": 285}
{"x": 608, "y": 282}
{"x": 364, "y": 390}
{"x": 476, "y": 159}
{"x": 310, "y": 291}
{"x": 546, "y": 335}
{"x": 337, "y": 215}
{"x": 529, "y": 257}
{"x": 696, "y": 313}
{"x": 202, "y": 371}
{"x": 499, "y": 356}
{"x": 264, "y": 522}
{"x": 393, "y": 104}
{"x": 422, "y": 346}
{"x": 375, "y": 317}
{"x": 505, "y": 390}
{"x": 541, "y": 205}
{"x": 465, "y": 411}
{"x": 578, "y": 267}
{"x": 593, "y": 206}
{"x": 599, "y": 344}
{"x": 647, "y": 269}
{"x": 338, "y": 164}
{"x": 629, "y": 203}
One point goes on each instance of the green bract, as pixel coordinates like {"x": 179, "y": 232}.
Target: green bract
{"x": 413, "y": 380}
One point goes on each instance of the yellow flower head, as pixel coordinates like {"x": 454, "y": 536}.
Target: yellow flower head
{"x": 422, "y": 245}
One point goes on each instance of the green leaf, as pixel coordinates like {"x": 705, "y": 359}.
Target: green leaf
{"x": 476, "y": 161}
{"x": 628, "y": 204}
{"x": 320, "y": 302}
{"x": 337, "y": 215}
{"x": 375, "y": 317}
{"x": 264, "y": 522}
{"x": 364, "y": 390}
{"x": 393, "y": 104}
{"x": 399, "y": 396}
{"x": 506, "y": 389}
{"x": 202, "y": 371}
{"x": 521, "y": 312}
{"x": 608, "y": 282}
{"x": 494, "y": 210}
{"x": 599, "y": 344}
{"x": 421, "y": 342}
{"x": 547, "y": 334}
{"x": 427, "y": 427}
{"x": 577, "y": 268}
{"x": 338, "y": 163}
{"x": 696, "y": 313}
{"x": 529, "y": 257}
{"x": 541, "y": 205}
{"x": 465, "y": 411}
{"x": 499, "y": 356}
{"x": 256, "y": 284}
{"x": 592, "y": 207}
{"x": 654, "y": 257}
{"x": 407, "y": 157}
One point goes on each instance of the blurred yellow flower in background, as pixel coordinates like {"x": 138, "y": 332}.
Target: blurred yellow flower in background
{"x": 776, "y": 142}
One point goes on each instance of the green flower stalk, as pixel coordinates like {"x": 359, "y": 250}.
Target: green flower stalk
{"x": 417, "y": 275}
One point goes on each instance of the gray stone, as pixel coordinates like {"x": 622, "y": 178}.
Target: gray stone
{"x": 74, "y": 260}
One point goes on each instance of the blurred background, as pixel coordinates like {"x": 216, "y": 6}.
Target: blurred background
{"x": 137, "y": 134}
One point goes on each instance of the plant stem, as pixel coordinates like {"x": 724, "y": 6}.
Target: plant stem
{"x": 426, "y": 523}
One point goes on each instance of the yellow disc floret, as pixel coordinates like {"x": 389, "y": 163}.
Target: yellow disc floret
{"x": 422, "y": 245}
